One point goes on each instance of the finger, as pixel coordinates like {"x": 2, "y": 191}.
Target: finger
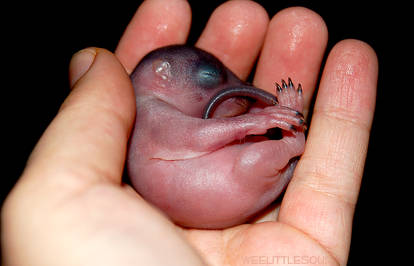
{"x": 156, "y": 23}
{"x": 294, "y": 47}
{"x": 86, "y": 141}
{"x": 234, "y": 34}
{"x": 321, "y": 197}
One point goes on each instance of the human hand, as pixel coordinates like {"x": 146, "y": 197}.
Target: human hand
{"x": 71, "y": 208}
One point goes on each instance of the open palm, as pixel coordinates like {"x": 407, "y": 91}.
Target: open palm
{"x": 70, "y": 206}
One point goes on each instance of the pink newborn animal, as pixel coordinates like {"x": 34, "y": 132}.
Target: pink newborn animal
{"x": 202, "y": 151}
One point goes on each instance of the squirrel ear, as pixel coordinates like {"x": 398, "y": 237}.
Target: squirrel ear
{"x": 162, "y": 69}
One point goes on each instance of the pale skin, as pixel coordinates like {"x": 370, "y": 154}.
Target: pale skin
{"x": 70, "y": 206}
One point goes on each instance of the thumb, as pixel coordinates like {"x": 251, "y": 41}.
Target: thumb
{"x": 87, "y": 140}
{"x": 80, "y": 63}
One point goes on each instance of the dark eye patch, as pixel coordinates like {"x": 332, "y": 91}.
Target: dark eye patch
{"x": 208, "y": 74}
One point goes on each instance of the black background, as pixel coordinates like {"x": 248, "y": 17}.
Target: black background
{"x": 38, "y": 40}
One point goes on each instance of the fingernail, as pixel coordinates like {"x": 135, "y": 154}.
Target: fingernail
{"x": 80, "y": 64}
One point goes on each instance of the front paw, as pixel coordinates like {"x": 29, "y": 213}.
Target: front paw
{"x": 276, "y": 116}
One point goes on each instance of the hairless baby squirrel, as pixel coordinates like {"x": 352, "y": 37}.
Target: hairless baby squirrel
{"x": 200, "y": 149}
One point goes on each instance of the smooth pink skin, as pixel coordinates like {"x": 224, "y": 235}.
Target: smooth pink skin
{"x": 71, "y": 202}
{"x": 208, "y": 173}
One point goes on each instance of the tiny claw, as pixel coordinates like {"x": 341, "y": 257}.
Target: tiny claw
{"x": 290, "y": 83}
{"x": 304, "y": 126}
{"x": 300, "y": 91}
{"x": 284, "y": 85}
{"x": 299, "y": 114}
{"x": 278, "y": 88}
